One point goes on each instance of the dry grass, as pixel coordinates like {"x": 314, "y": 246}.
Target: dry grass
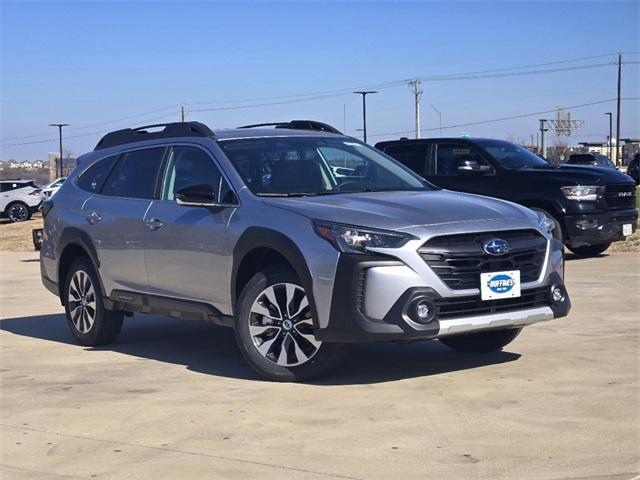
{"x": 16, "y": 237}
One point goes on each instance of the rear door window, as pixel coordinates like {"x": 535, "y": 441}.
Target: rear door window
{"x": 411, "y": 156}
{"x": 135, "y": 174}
{"x": 93, "y": 177}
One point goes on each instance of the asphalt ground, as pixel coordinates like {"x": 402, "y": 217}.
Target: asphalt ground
{"x": 174, "y": 399}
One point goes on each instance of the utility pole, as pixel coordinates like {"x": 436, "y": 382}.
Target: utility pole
{"x": 344, "y": 118}
{"x": 543, "y": 143}
{"x": 182, "y": 113}
{"x": 60, "y": 125}
{"x": 417, "y": 92}
{"x": 610, "y": 133}
{"x": 439, "y": 115}
{"x": 364, "y": 94}
{"x": 618, "y": 162}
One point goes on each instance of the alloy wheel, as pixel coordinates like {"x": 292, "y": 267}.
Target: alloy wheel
{"x": 281, "y": 326}
{"x": 82, "y": 301}
{"x": 18, "y": 213}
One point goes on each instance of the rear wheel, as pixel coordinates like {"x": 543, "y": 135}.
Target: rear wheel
{"x": 590, "y": 250}
{"x": 90, "y": 323}
{"x": 18, "y": 212}
{"x": 274, "y": 329}
{"x": 481, "y": 342}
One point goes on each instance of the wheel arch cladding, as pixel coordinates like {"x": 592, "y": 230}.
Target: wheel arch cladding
{"x": 75, "y": 243}
{"x": 259, "y": 248}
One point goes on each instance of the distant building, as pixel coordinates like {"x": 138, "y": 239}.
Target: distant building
{"x": 630, "y": 148}
{"x": 38, "y": 164}
{"x": 603, "y": 149}
{"x": 13, "y": 164}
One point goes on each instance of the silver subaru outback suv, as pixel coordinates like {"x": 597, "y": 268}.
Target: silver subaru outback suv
{"x": 300, "y": 238}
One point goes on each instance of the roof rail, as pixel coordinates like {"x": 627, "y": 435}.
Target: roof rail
{"x": 178, "y": 129}
{"x": 298, "y": 125}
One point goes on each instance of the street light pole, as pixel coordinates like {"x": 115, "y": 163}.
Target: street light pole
{"x": 610, "y": 133}
{"x": 60, "y": 125}
{"x": 364, "y": 94}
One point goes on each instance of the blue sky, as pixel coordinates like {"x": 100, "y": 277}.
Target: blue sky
{"x": 131, "y": 63}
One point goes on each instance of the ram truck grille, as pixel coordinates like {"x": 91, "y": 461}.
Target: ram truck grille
{"x": 620, "y": 195}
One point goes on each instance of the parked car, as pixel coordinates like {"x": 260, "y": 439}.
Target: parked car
{"x": 633, "y": 170}
{"x": 593, "y": 159}
{"x": 591, "y": 207}
{"x": 300, "y": 262}
{"x": 51, "y": 188}
{"x": 19, "y": 199}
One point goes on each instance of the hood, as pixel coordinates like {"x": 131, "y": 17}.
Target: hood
{"x": 578, "y": 174}
{"x": 405, "y": 210}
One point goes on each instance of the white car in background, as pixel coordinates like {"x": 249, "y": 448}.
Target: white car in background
{"x": 49, "y": 189}
{"x": 19, "y": 199}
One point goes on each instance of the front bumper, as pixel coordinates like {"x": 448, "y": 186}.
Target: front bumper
{"x": 598, "y": 228}
{"x": 352, "y": 321}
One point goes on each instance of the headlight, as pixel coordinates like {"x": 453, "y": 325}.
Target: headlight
{"x": 581, "y": 193}
{"x": 545, "y": 223}
{"x": 352, "y": 239}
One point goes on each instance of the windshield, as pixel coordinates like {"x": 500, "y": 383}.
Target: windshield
{"x": 511, "y": 156}
{"x": 292, "y": 166}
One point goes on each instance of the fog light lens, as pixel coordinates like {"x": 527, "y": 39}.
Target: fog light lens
{"x": 423, "y": 310}
{"x": 557, "y": 294}
{"x": 587, "y": 224}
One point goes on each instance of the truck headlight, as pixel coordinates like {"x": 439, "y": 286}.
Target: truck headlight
{"x": 352, "y": 239}
{"x": 581, "y": 193}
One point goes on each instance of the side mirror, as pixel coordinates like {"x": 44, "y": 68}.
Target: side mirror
{"x": 469, "y": 167}
{"x": 197, "y": 196}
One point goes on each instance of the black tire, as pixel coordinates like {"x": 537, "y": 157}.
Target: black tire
{"x": 481, "y": 342}
{"x": 82, "y": 285}
{"x": 18, "y": 212}
{"x": 590, "y": 250}
{"x": 558, "y": 234}
{"x": 282, "y": 344}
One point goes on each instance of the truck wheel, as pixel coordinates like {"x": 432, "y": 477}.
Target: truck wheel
{"x": 590, "y": 250}
{"x": 18, "y": 212}
{"x": 557, "y": 230}
{"x": 90, "y": 323}
{"x": 274, "y": 329}
{"x": 482, "y": 342}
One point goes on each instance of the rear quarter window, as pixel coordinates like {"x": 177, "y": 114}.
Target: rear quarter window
{"x": 93, "y": 177}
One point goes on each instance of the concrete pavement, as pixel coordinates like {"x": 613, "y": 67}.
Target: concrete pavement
{"x": 174, "y": 399}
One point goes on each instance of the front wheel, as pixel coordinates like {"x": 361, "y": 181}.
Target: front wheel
{"x": 90, "y": 323}
{"x": 274, "y": 329}
{"x": 481, "y": 342}
{"x": 18, "y": 212}
{"x": 590, "y": 250}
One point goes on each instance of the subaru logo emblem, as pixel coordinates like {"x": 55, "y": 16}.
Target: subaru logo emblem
{"x": 496, "y": 246}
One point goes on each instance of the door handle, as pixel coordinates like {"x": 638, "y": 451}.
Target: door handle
{"x": 154, "y": 223}
{"x": 94, "y": 217}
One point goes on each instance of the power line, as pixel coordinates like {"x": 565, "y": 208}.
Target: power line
{"x": 99, "y": 124}
{"x": 288, "y": 99}
{"x": 403, "y": 81}
{"x": 501, "y": 119}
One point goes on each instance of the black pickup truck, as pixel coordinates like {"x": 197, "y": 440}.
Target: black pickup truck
{"x": 590, "y": 206}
